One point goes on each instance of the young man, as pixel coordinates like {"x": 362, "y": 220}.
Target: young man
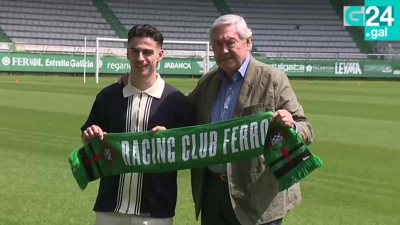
{"x": 145, "y": 102}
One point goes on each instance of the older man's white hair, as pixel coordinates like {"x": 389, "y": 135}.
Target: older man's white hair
{"x": 231, "y": 19}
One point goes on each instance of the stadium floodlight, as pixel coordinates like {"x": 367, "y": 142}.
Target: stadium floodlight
{"x": 99, "y": 39}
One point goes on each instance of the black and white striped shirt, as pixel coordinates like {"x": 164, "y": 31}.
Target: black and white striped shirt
{"x": 127, "y": 109}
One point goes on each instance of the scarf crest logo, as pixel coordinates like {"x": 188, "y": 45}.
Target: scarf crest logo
{"x": 108, "y": 154}
{"x": 278, "y": 142}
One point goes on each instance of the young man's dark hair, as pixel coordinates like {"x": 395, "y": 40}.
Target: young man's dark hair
{"x": 146, "y": 30}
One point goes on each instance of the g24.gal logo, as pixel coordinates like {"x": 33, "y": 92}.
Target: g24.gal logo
{"x": 370, "y": 16}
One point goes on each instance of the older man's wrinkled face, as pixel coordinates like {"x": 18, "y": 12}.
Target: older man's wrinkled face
{"x": 230, "y": 51}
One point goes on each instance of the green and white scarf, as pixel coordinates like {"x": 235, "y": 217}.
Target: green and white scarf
{"x": 197, "y": 146}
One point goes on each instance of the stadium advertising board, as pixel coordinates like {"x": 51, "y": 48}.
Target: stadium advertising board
{"x": 73, "y": 63}
{"x": 70, "y": 63}
{"x": 336, "y": 68}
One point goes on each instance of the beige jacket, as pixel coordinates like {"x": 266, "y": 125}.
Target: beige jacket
{"x": 253, "y": 188}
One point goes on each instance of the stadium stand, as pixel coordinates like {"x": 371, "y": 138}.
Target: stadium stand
{"x": 281, "y": 28}
{"x": 53, "y": 22}
{"x": 296, "y": 27}
{"x": 178, "y": 20}
{"x": 53, "y": 25}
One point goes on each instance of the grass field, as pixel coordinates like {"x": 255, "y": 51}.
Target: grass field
{"x": 356, "y": 128}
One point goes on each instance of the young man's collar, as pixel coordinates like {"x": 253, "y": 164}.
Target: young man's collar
{"x": 155, "y": 90}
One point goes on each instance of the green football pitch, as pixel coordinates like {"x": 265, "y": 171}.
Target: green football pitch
{"x": 356, "y": 126}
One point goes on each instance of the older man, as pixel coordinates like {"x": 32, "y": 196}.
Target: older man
{"x": 243, "y": 193}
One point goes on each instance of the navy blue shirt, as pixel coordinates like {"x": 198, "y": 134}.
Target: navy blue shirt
{"x": 225, "y": 103}
{"x": 127, "y": 109}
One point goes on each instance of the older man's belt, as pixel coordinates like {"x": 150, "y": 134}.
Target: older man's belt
{"x": 197, "y": 147}
{"x": 219, "y": 176}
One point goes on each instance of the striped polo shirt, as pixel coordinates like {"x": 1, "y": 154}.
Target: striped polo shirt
{"x": 127, "y": 109}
